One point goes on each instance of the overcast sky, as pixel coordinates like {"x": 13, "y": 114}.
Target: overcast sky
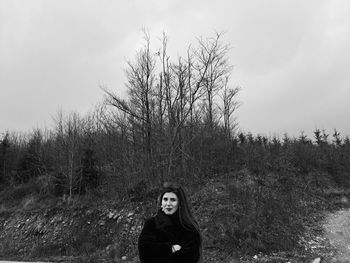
{"x": 291, "y": 58}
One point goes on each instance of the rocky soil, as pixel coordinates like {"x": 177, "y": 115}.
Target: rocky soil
{"x": 337, "y": 232}
{"x": 65, "y": 233}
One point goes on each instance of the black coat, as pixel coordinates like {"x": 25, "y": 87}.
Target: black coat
{"x": 158, "y": 235}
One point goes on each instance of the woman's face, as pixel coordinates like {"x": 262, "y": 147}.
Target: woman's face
{"x": 170, "y": 203}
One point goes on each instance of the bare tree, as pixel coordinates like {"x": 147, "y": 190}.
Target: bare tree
{"x": 141, "y": 89}
{"x": 162, "y": 105}
{"x": 69, "y": 131}
{"x": 214, "y": 63}
{"x": 230, "y": 105}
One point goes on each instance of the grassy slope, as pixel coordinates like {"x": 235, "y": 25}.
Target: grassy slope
{"x": 93, "y": 229}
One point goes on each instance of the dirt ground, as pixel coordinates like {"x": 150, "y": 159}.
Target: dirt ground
{"x": 328, "y": 241}
{"x": 337, "y": 231}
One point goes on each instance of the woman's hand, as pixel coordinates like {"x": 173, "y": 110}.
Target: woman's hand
{"x": 176, "y": 248}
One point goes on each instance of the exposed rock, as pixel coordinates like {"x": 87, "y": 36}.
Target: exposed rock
{"x": 316, "y": 260}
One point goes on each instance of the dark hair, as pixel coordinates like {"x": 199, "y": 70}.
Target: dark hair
{"x": 186, "y": 217}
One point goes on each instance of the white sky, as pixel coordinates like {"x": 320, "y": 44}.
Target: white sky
{"x": 290, "y": 58}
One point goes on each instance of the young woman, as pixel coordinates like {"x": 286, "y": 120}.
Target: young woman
{"x": 173, "y": 235}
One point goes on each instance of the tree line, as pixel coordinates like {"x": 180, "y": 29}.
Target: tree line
{"x": 177, "y": 122}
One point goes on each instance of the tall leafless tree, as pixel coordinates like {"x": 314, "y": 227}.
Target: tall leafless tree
{"x": 141, "y": 89}
{"x": 213, "y": 61}
{"x": 229, "y": 105}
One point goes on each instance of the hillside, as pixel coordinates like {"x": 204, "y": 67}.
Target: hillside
{"x": 94, "y": 229}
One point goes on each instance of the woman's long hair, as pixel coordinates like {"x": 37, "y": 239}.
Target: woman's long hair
{"x": 186, "y": 217}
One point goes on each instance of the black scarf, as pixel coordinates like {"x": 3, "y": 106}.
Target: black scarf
{"x": 169, "y": 225}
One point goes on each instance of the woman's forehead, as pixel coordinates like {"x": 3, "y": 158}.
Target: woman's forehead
{"x": 169, "y": 195}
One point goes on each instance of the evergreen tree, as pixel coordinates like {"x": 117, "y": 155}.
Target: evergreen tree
{"x": 89, "y": 173}
{"x": 4, "y": 148}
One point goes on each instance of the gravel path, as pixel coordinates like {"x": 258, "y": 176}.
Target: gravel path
{"x": 337, "y": 230}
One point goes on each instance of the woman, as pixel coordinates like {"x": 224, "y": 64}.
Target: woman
{"x": 173, "y": 235}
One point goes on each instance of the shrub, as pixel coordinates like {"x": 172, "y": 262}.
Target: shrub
{"x": 17, "y": 193}
{"x": 256, "y": 216}
{"x": 46, "y": 184}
